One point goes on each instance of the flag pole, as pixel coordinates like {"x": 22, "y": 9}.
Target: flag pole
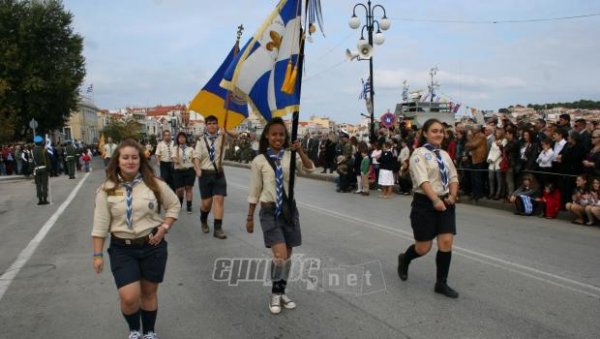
{"x": 236, "y": 50}
{"x": 296, "y": 117}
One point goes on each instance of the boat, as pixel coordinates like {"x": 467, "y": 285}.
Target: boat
{"x": 421, "y": 105}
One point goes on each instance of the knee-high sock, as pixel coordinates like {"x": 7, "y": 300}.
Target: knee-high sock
{"x": 148, "y": 320}
{"x": 442, "y": 261}
{"x": 133, "y": 320}
{"x": 411, "y": 254}
{"x": 278, "y": 277}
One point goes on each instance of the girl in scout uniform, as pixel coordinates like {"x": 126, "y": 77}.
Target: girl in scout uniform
{"x": 184, "y": 175}
{"x": 269, "y": 181}
{"x": 435, "y": 183}
{"x": 128, "y": 206}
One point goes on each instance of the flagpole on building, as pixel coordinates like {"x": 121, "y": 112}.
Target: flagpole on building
{"x": 296, "y": 118}
{"x": 236, "y": 50}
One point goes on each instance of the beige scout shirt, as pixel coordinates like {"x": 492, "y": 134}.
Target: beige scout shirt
{"x": 178, "y": 153}
{"x": 262, "y": 177}
{"x": 164, "y": 151}
{"x": 110, "y": 214}
{"x": 424, "y": 167}
{"x": 201, "y": 152}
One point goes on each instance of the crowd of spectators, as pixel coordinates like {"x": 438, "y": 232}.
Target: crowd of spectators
{"x": 541, "y": 167}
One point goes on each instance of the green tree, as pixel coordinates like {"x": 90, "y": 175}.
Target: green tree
{"x": 121, "y": 129}
{"x": 41, "y": 66}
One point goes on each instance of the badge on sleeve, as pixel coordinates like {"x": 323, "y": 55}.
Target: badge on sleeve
{"x": 151, "y": 205}
{"x": 428, "y": 156}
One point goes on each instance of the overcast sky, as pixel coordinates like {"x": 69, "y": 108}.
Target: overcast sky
{"x": 151, "y": 52}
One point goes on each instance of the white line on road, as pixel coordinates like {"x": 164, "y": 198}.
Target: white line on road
{"x": 527, "y": 271}
{"x": 14, "y": 269}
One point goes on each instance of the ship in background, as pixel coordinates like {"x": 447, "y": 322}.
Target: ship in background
{"x": 419, "y": 106}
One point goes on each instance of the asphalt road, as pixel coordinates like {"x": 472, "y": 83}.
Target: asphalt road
{"x": 518, "y": 277}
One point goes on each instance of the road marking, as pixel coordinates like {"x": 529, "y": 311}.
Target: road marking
{"x": 523, "y": 270}
{"x": 9, "y": 275}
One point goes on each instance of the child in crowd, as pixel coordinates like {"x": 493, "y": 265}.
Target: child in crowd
{"x": 387, "y": 163}
{"x": 581, "y": 199}
{"x": 593, "y": 210}
{"x": 549, "y": 202}
{"x": 365, "y": 165}
{"x": 404, "y": 180}
{"x": 524, "y": 196}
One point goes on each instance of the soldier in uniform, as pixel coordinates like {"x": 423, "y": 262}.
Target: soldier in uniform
{"x": 43, "y": 164}
{"x": 72, "y": 157}
{"x": 208, "y": 161}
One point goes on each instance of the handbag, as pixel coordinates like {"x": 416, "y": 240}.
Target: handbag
{"x": 289, "y": 210}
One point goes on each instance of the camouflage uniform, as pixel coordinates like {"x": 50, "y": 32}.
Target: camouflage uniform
{"x": 43, "y": 164}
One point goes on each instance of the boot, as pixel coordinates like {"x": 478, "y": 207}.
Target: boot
{"x": 219, "y": 234}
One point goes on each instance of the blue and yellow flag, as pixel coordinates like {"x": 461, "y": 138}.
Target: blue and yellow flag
{"x": 215, "y": 100}
{"x": 266, "y": 69}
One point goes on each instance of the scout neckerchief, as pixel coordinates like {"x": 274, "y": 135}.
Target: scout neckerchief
{"x": 129, "y": 185}
{"x": 276, "y": 157}
{"x": 443, "y": 169}
{"x": 183, "y": 156}
{"x": 169, "y": 150}
{"x": 211, "y": 148}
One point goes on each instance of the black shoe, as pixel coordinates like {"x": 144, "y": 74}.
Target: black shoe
{"x": 402, "y": 267}
{"x": 40, "y": 203}
{"x": 443, "y": 288}
{"x": 189, "y": 210}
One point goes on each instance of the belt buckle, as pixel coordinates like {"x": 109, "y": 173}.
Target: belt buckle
{"x": 127, "y": 241}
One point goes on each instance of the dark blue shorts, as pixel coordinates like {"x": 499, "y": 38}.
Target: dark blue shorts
{"x": 427, "y": 222}
{"x": 184, "y": 177}
{"x": 131, "y": 263}
{"x": 211, "y": 184}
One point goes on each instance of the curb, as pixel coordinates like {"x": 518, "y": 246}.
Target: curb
{"x": 10, "y": 178}
{"x": 463, "y": 199}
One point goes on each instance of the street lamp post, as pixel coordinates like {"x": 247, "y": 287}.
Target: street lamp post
{"x": 365, "y": 47}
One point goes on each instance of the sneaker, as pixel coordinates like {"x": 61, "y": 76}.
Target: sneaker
{"x": 134, "y": 335}
{"x": 402, "y": 267}
{"x": 205, "y": 227}
{"x": 287, "y": 302}
{"x": 275, "y": 304}
{"x": 443, "y": 288}
{"x": 150, "y": 335}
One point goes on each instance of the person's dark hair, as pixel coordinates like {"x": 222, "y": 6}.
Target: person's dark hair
{"x": 542, "y": 121}
{"x": 581, "y": 121}
{"x": 563, "y": 132}
{"x": 426, "y": 126}
{"x": 353, "y": 141}
{"x": 113, "y": 171}
{"x": 181, "y": 134}
{"x": 211, "y": 118}
{"x": 363, "y": 147}
{"x": 565, "y": 116}
{"x": 546, "y": 141}
{"x": 530, "y": 134}
{"x": 264, "y": 142}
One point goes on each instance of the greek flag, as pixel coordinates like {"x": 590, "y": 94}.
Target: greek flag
{"x": 366, "y": 89}
{"x": 266, "y": 69}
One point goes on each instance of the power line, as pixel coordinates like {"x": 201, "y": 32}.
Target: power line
{"x": 572, "y": 17}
